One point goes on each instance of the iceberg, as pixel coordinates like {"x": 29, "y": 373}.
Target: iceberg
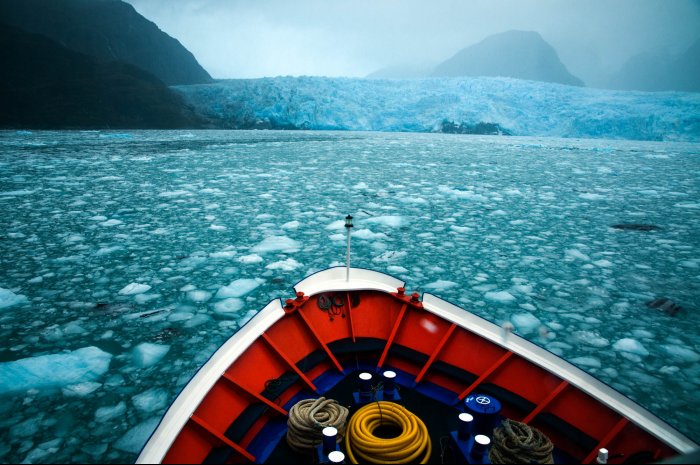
{"x": 54, "y": 370}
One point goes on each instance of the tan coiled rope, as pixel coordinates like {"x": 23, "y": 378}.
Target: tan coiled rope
{"x": 515, "y": 442}
{"x": 308, "y": 417}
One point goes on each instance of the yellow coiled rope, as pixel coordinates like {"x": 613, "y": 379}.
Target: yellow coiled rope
{"x": 413, "y": 444}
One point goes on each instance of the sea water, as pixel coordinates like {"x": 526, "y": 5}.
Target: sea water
{"x": 127, "y": 258}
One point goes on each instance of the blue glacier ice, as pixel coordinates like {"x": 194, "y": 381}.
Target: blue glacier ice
{"x": 518, "y": 107}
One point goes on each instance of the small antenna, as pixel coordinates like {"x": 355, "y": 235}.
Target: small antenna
{"x": 348, "y": 225}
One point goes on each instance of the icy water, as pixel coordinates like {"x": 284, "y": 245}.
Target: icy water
{"x": 128, "y": 258}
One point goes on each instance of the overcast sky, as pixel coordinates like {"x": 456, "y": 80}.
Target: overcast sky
{"x": 256, "y": 38}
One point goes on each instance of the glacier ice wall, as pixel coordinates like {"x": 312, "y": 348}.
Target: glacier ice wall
{"x": 512, "y": 106}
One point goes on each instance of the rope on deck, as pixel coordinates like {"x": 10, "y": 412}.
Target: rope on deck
{"x": 412, "y": 445}
{"x": 308, "y": 417}
{"x": 516, "y": 442}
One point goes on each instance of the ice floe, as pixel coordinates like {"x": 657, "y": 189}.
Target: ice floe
{"x": 277, "y": 244}
{"x": 10, "y": 299}
{"x": 147, "y": 354}
{"x": 239, "y": 288}
{"x": 134, "y": 288}
{"x": 54, "y": 370}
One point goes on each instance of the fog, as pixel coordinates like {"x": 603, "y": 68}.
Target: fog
{"x": 246, "y": 39}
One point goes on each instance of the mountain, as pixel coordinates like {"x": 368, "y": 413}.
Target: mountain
{"x": 517, "y": 54}
{"x": 108, "y": 30}
{"x": 45, "y": 85}
{"x": 660, "y": 72}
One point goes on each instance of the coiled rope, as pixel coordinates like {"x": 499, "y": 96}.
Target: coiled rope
{"x": 413, "y": 444}
{"x": 308, "y": 417}
{"x": 515, "y": 442}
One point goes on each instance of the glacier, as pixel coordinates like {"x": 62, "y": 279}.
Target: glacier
{"x": 467, "y": 104}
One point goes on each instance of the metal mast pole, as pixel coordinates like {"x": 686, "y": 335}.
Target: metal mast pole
{"x": 348, "y": 226}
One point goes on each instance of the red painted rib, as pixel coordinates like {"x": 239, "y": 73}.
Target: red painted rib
{"x": 289, "y": 363}
{"x": 352, "y": 328}
{"x": 608, "y": 437}
{"x": 206, "y": 427}
{"x": 318, "y": 338}
{"x": 546, "y": 401}
{"x": 262, "y": 399}
{"x": 392, "y": 336}
{"x": 486, "y": 374}
{"x": 435, "y": 353}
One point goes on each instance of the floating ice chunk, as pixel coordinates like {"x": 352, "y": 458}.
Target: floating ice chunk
{"x": 218, "y": 227}
{"x": 590, "y": 338}
{"x": 591, "y": 196}
{"x": 574, "y": 254}
{"x": 196, "y": 320}
{"x": 396, "y": 269}
{"x": 291, "y": 225}
{"x": 603, "y": 263}
{"x": 390, "y": 256}
{"x": 631, "y": 345}
{"x": 680, "y": 353}
{"x": 285, "y": 265}
{"x": 134, "y": 288}
{"x": 27, "y": 428}
{"x": 86, "y": 364}
{"x": 199, "y": 296}
{"x": 151, "y": 400}
{"x": 252, "y": 258}
{"x": 643, "y": 333}
{"x": 172, "y": 194}
{"x": 460, "y": 194}
{"x": 81, "y": 389}
{"x": 500, "y": 296}
{"x": 104, "y": 414}
{"x": 460, "y": 229}
{"x": 277, "y": 244}
{"x": 525, "y": 323}
{"x": 134, "y": 439}
{"x": 147, "y": 354}
{"x": 95, "y": 450}
{"x": 36, "y": 280}
{"x": 692, "y": 205}
{"x": 368, "y": 234}
{"x": 108, "y": 250}
{"x": 440, "y": 285}
{"x": 591, "y": 362}
{"x": 230, "y": 305}
{"x": 392, "y": 221}
{"x": 98, "y": 218}
{"x": 180, "y": 316}
{"x": 360, "y": 185}
{"x": 111, "y": 222}
{"x": 238, "y": 288}
{"x": 143, "y": 298}
{"x": 187, "y": 288}
{"x": 16, "y": 193}
{"x": 10, "y": 299}
{"x": 339, "y": 224}
{"x": 43, "y": 451}
{"x": 337, "y": 237}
